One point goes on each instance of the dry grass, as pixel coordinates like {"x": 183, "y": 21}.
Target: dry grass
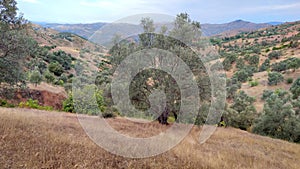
{"x": 38, "y": 139}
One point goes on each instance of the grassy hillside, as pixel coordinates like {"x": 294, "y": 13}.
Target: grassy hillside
{"x": 38, "y": 139}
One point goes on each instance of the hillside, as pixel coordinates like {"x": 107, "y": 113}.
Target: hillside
{"x": 38, "y": 139}
{"x": 277, "y": 43}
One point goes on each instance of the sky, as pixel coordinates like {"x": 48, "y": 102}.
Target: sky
{"x": 204, "y": 11}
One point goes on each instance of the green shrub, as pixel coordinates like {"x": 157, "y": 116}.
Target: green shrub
{"x": 274, "y": 78}
{"x": 295, "y": 89}
{"x": 68, "y": 104}
{"x": 253, "y": 83}
{"x": 34, "y": 104}
{"x": 289, "y": 80}
{"x": 275, "y": 54}
{"x": 4, "y": 103}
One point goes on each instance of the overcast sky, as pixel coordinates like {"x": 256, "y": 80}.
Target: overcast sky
{"x": 204, "y": 11}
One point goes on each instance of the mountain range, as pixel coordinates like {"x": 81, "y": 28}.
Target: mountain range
{"x": 87, "y": 30}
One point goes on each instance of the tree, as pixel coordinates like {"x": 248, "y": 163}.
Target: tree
{"x": 274, "y": 78}
{"x": 185, "y": 29}
{"x": 278, "y": 119}
{"x": 35, "y": 77}
{"x": 15, "y": 45}
{"x": 265, "y": 66}
{"x": 242, "y": 112}
{"x": 295, "y": 89}
{"x": 149, "y": 80}
{"x": 56, "y": 68}
{"x": 148, "y": 25}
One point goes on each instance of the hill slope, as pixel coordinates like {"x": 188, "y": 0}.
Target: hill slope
{"x": 38, "y": 139}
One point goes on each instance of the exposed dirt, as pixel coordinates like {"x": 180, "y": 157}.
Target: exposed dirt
{"x": 38, "y": 139}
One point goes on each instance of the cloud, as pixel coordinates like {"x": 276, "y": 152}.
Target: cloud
{"x": 31, "y": 1}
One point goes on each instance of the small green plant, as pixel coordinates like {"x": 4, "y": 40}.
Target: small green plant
{"x": 253, "y": 83}
{"x": 34, "y": 104}
{"x": 289, "y": 80}
{"x": 4, "y": 103}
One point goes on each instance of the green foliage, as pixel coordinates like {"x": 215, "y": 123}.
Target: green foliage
{"x": 232, "y": 87}
{"x": 278, "y": 119}
{"x": 274, "y": 78}
{"x": 88, "y": 100}
{"x": 35, "y": 77}
{"x": 68, "y": 104}
{"x": 290, "y": 63}
{"x": 242, "y": 113}
{"x": 295, "y": 89}
{"x": 241, "y": 101}
{"x": 275, "y": 54}
{"x": 15, "y": 44}
{"x": 240, "y": 63}
{"x": 4, "y": 103}
{"x": 49, "y": 77}
{"x": 229, "y": 60}
{"x": 34, "y": 104}
{"x": 266, "y": 94}
{"x": 253, "y": 60}
{"x": 253, "y": 83}
{"x": 245, "y": 73}
{"x": 289, "y": 80}
{"x": 56, "y": 68}
{"x": 265, "y": 66}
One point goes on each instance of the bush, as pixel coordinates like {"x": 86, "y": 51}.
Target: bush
{"x": 88, "y": 100}
{"x": 253, "y": 83}
{"x": 274, "y": 78}
{"x": 275, "y": 54}
{"x": 265, "y": 66}
{"x": 68, "y": 104}
{"x": 4, "y": 103}
{"x": 295, "y": 89}
{"x": 289, "y": 80}
{"x": 56, "y": 68}
{"x": 34, "y": 104}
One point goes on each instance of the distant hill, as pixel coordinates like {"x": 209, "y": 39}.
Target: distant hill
{"x": 87, "y": 30}
{"x": 235, "y": 26}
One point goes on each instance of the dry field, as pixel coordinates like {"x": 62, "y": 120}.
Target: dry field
{"x": 38, "y": 139}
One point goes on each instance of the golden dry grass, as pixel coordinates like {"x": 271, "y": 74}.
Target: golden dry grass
{"x": 39, "y": 139}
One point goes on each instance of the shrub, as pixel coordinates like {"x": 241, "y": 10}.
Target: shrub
{"x": 34, "y": 104}
{"x": 289, "y": 80}
{"x": 265, "y": 66}
{"x": 88, "y": 100}
{"x": 275, "y": 54}
{"x": 274, "y": 78}
{"x": 295, "y": 89}
{"x": 253, "y": 83}
{"x": 56, "y": 68}
{"x": 4, "y": 103}
{"x": 68, "y": 104}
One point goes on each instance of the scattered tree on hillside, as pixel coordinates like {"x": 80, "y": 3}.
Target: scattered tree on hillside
{"x": 295, "y": 89}
{"x": 278, "y": 119}
{"x": 274, "y": 78}
{"x": 242, "y": 112}
{"x": 35, "y": 77}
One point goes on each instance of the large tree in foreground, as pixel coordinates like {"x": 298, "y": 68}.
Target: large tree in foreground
{"x": 15, "y": 45}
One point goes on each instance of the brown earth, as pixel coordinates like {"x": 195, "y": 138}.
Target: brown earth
{"x": 38, "y": 139}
